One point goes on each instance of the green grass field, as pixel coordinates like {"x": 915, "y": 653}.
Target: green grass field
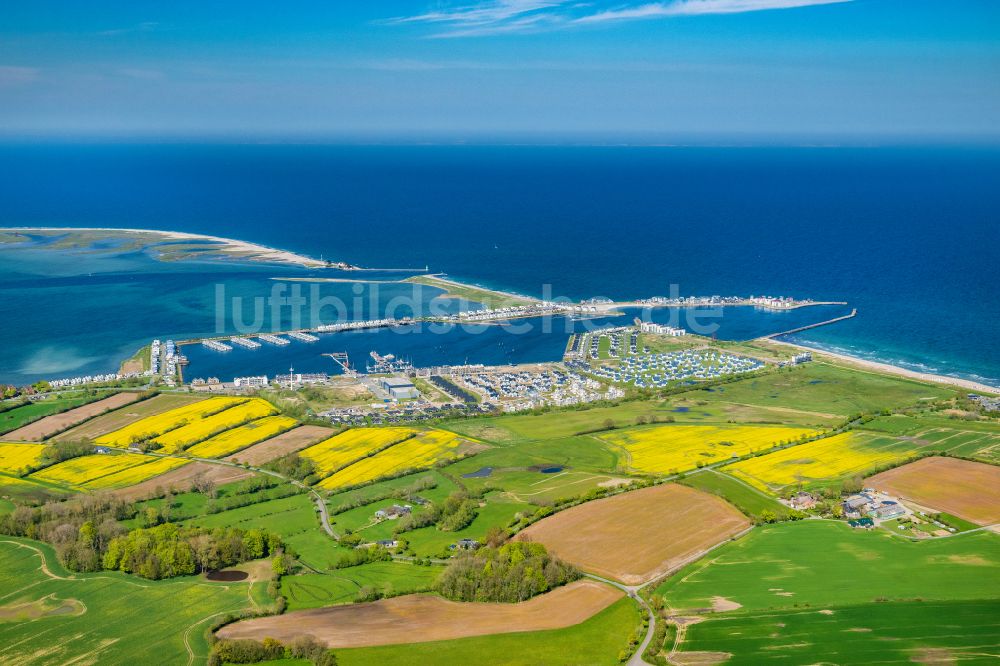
{"x": 516, "y": 464}
{"x": 823, "y": 388}
{"x": 890, "y": 633}
{"x": 747, "y": 499}
{"x": 596, "y": 642}
{"x": 13, "y": 419}
{"x": 342, "y": 585}
{"x": 107, "y": 618}
{"x": 980, "y": 440}
{"x": 815, "y": 563}
{"x": 556, "y": 425}
{"x": 30, "y": 490}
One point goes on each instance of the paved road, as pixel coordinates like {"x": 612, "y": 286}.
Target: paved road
{"x": 633, "y": 591}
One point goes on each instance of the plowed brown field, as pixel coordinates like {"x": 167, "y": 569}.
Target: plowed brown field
{"x": 640, "y": 535}
{"x": 962, "y": 488}
{"x": 42, "y": 428}
{"x": 417, "y": 618}
{"x": 294, "y": 440}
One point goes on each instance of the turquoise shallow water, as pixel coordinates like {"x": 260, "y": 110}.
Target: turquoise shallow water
{"x": 909, "y": 236}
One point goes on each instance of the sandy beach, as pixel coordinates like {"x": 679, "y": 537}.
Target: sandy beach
{"x": 228, "y": 246}
{"x": 893, "y": 369}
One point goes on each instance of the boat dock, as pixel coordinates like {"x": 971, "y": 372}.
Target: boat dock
{"x": 215, "y": 345}
{"x": 854, "y": 312}
{"x": 303, "y": 337}
{"x": 275, "y": 340}
{"x": 245, "y": 342}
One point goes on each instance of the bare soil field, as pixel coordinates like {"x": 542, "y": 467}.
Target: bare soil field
{"x": 48, "y": 426}
{"x": 426, "y": 617}
{"x": 969, "y": 490}
{"x": 640, "y": 535}
{"x": 181, "y": 479}
{"x": 291, "y": 441}
{"x": 123, "y": 417}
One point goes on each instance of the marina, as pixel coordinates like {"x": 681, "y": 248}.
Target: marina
{"x": 246, "y": 343}
{"x": 424, "y": 344}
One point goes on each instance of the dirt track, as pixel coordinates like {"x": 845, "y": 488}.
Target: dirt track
{"x": 48, "y": 426}
{"x": 423, "y": 617}
{"x": 294, "y": 440}
{"x": 969, "y": 490}
{"x": 639, "y": 535}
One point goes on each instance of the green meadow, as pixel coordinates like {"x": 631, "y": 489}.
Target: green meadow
{"x": 817, "y": 563}
{"x": 49, "y": 616}
{"x": 747, "y": 499}
{"x": 966, "y": 632}
{"x": 958, "y": 437}
{"x": 516, "y": 466}
{"x": 822, "y": 388}
{"x": 342, "y": 585}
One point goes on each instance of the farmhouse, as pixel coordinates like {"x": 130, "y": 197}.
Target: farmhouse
{"x": 464, "y": 544}
{"x": 803, "y": 500}
{"x": 888, "y": 511}
{"x": 855, "y": 505}
{"x": 393, "y": 512}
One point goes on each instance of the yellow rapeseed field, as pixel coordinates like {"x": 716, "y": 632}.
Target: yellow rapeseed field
{"x": 330, "y": 455}
{"x": 78, "y": 471}
{"x": 233, "y": 440}
{"x": 202, "y": 428}
{"x": 421, "y": 451}
{"x": 670, "y": 449}
{"x": 824, "y": 459}
{"x": 16, "y": 457}
{"x": 151, "y": 426}
{"x": 136, "y": 474}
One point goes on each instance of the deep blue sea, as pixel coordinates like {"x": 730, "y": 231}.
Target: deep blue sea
{"x": 909, "y": 236}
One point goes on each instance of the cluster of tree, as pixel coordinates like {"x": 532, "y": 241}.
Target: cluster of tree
{"x": 170, "y": 550}
{"x": 248, "y": 651}
{"x": 79, "y": 529}
{"x": 294, "y": 466}
{"x": 510, "y": 573}
{"x": 456, "y": 512}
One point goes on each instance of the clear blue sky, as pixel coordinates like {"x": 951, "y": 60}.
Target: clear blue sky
{"x": 882, "y": 70}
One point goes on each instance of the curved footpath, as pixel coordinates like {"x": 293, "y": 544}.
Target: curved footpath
{"x": 633, "y": 592}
